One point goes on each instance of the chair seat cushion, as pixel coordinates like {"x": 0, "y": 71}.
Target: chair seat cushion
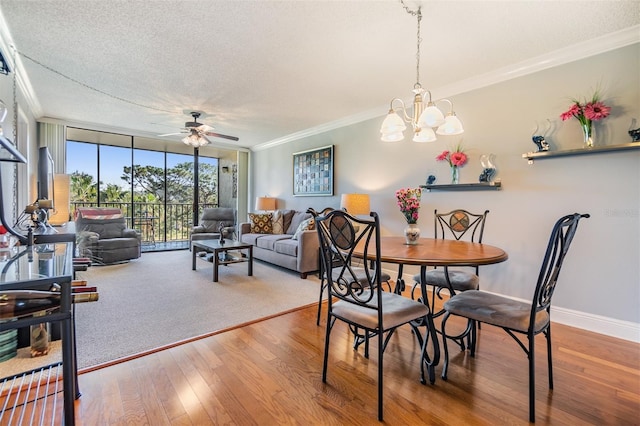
{"x": 397, "y": 310}
{"x": 360, "y": 274}
{"x": 495, "y": 310}
{"x": 460, "y": 280}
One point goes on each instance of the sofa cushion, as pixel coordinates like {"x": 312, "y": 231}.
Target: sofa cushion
{"x": 277, "y": 222}
{"x": 106, "y": 228}
{"x": 260, "y": 223}
{"x": 296, "y": 220}
{"x": 287, "y": 215}
{"x": 251, "y": 238}
{"x": 268, "y": 241}
{"x": 118, "y": 243}
{"x": 305, "y": 225}
{"x": 213, "y": 217}
{"x": 288, "y": 247}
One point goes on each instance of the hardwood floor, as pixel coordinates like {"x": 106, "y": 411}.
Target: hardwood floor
{"x": 270, "y": 373}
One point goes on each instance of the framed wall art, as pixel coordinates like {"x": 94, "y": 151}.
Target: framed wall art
{"x": 313, "y": 172}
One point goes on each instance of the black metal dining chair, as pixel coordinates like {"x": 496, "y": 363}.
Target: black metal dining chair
{"x": 362, "y": 305}
{"x": 360, "y": 273}
{"x": 517, "y": 317}
{"x": 458, "y": 224}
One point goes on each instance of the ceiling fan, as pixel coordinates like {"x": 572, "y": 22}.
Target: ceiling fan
{"x": 198, "y": 132}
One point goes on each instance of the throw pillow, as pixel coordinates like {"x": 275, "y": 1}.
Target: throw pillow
{"x": 296, "y": 220}
{"x": 260, "y": 223}
{"x": 306, "y": 225}
{"x": 277, "y": 222}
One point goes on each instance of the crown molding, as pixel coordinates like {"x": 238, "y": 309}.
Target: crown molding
{"x": 584, "y": 49}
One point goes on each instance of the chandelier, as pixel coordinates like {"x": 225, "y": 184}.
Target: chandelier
{"x": 424, "y": 119}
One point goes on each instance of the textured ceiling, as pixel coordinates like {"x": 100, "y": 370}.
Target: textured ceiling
{"x": 262, "y": 70}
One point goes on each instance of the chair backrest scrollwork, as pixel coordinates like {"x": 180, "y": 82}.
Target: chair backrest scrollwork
{"x": 559, "y": 243}
{"x": 338, "y": 242}
{"x": 460, "y": 223}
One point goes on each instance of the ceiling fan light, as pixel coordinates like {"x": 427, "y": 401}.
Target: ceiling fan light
{"x": 425, "y": 135}
{"x": 452, "y": 125}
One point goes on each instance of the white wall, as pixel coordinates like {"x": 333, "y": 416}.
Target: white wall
{"x": 599, "y": 288}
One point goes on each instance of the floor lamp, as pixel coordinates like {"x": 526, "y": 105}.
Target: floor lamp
{"x": 9, "y": 153}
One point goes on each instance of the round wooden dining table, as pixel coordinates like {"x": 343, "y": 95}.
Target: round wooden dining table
{"x": 432, "y": 252}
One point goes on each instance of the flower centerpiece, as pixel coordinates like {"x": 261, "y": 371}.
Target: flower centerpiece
{"x": 587, "y": 113}
{"x": 409, "y": 204}
{"x": 456, "y": 159}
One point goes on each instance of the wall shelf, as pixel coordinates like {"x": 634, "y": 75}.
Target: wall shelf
{"x": 480, "y": 186}
{"x": 543, "y": 155}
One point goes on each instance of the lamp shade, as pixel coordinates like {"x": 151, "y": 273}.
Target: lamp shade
{"x": 451, "y": 126}
{"x": 425, "y": 134}
{"x": 431, "y": 116}
{"x": 61, "y": 193}
{"x": 392, "y": 128}
{"x": 355, "y": 204}
{"x": 265, "y": 203}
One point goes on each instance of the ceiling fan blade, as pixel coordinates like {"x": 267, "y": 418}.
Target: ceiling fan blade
{"x": 219, "y": 135}
{"x": 204, "y": 128}
{"x": 171, "y": 134}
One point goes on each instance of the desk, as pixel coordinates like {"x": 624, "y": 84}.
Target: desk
{"x": 36, "y": 268}
{"x": 433, "y": 252}
{"x": 57, "y": 234}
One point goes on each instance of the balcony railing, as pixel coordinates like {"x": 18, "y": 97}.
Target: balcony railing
{"x": 157, "y": 222}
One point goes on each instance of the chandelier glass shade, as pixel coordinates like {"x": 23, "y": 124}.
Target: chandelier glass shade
{"x": 424, "y": 119}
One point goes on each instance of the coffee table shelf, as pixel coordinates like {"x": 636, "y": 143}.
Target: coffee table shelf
{"x": 216, "y": 248}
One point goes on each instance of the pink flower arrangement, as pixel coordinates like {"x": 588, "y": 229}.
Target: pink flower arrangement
{"x": 587, "y": 112}
{"x": 409, "y": 203}
{"x": 456, "y": 158}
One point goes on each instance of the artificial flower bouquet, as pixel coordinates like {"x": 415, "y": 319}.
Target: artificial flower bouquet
{"x": 409, "y": 203}
{"x": 455, "y": 158}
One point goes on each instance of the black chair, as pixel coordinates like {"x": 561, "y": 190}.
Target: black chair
{"x": 359, "y": 272}
{"x": 457, "y": 224}
{"x": 362, "y": 305}
{"x": 515, "y": 316}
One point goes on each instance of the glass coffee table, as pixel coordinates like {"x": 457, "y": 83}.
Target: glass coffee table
{"x": 218, "y": 248}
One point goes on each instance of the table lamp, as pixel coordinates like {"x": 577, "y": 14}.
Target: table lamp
{"x": 265, "y": 203}
{"x": 355, "y": 204}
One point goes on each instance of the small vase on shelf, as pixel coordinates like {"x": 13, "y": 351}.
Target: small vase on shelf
{"x": 412, "y": 234}
{"x": 455, "y": 174}
{"x": 588, "y": 134}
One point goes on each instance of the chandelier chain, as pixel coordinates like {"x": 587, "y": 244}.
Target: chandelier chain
{"x": 418, "y": 15}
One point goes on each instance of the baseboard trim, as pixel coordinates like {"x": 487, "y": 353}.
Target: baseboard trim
{"x": 612, "y": 327}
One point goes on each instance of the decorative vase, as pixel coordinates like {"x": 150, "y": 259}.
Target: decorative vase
{"x": 587, "y": 132}
{"x": 455, "y": 174}
{"x": 412, "y": 234}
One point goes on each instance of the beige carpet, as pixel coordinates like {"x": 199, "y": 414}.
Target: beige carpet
{"x": 158, "y": 300}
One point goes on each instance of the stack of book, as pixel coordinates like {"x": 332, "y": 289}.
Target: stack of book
{"x": 81, "y": 292}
